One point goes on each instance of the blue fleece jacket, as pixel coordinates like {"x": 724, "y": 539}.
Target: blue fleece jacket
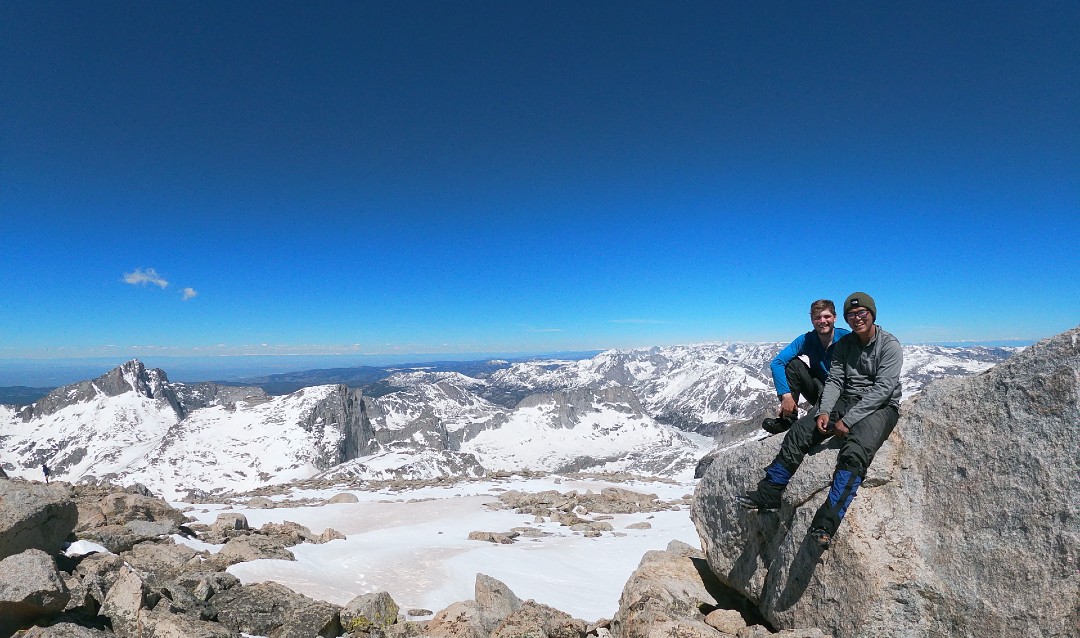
{"x": 810, "y": 345}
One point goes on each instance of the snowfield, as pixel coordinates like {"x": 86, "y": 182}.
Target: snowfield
{"x": 415, "y": 546}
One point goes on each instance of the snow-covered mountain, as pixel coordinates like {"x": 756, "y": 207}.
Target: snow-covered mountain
{"x": 630, "y": 411}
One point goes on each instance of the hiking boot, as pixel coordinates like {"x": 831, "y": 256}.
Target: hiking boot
{"x": 776, "y": 426}
{"x": 822, "y": 536}
{"x": 756, "y": 500}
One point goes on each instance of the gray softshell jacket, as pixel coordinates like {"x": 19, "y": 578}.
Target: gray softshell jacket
{"x": 871, "y": 373}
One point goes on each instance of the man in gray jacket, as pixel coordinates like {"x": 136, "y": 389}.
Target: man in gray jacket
{"x": 860, "y": 403}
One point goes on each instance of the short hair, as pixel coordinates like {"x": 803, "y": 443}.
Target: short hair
{"x": 822, "y": 304}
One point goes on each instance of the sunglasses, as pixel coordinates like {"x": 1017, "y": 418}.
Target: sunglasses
{"x": 857, "y": 315}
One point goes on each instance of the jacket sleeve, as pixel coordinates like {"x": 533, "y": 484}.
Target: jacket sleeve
{"x": 780, "y": 361}
{"x": 834, "y": 384}
{"x": 886, "y": 380}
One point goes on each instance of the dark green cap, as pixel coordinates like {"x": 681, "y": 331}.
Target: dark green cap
{"x": 858, "y": 300}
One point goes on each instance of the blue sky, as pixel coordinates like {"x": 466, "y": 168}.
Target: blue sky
{"x": 204, "y": 178}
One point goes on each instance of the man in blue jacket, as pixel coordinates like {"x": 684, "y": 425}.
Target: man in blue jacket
{"x": 792, "y": 377}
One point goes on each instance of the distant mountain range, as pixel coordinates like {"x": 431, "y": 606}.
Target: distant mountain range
{"x": 648, "y": 411}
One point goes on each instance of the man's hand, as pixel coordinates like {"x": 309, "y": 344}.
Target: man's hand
{"x": 823, "y": 423}
{"x": 841, "y": 428}
{"x": 787, "y": 405}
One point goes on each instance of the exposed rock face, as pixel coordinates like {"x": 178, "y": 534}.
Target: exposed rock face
{"x": 35, "y": 516}
{"x": 495, "y": 600}
{"x": 346, "y": 409}
{"x": 30, "y": 587}
{"x": 64, "y": 630}
{"x": 540, "y": 621}
{"x": 369, "y": 612}
{"x": 974, "y": 493}
{"x": 270, "y": 609}
{"x": 673, "y": 593}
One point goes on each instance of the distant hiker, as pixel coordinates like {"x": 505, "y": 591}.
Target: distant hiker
{"x": 860, "y": 403}
{"x": 792, "y": 377}
{"x": 45, "y": 471}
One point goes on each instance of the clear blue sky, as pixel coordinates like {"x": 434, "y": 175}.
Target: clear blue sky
{"x": 446, "y": 177}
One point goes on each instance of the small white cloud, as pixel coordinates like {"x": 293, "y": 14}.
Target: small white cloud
{"x": 528, "y": 328}
{"x": 189, "y": 293}
{"x": 143, "y": 277}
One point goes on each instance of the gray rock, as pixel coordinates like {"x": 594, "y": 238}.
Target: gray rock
{"x": 159, "y": 623}
{"x": 329, "y": 534}
{"x": 253, "y": 547}
{"x": 152, "y": 529}
{"x": 30, "y": 587}
{"x": 229, "y": 522}
{"x": 289, "y": 532}
{"x": 126, "y": 598}
{"x": 96, "y": 573}
{"x": 35, "y": 516}
{"x": 494, "y": 600}
{"x": 344, "y": 497}
{"x": 311, "y": 618}
{"x": 64, "y": 630}
{"x": 533, "y": 619}
{"x": 369, "y": 612}
{"x": 204, "y": 585}
{"x": 273, "y": 610}
{"x": 973, "y": 495}
{"x": 668, "y": 595}
{"x": 493, "y": 537}
{"x": 260, "y": 502}
{"x": 407, "y": 629}
{"x": 165, "y": 560}
{"x": 121, "y": 507}
{"x": 118, "y": 538}
{"x": 459, "y": 620}
{"x": 140, "y": 489}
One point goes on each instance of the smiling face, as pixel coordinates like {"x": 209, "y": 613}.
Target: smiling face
{"x": 861, "y": 321}
{"x": 823, "y": 322}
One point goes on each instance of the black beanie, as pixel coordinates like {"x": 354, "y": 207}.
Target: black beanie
{"x": 858, "y": 300}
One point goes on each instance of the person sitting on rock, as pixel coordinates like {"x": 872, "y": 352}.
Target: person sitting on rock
{"x": 860, "y": 403}
{"x": 793, "y": 377}
{"x": 45, "y": 471}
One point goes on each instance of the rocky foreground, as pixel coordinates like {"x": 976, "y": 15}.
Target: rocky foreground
{"x": 142, "y": 584}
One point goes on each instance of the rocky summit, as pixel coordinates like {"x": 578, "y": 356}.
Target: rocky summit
{"x": 968, "y": 522}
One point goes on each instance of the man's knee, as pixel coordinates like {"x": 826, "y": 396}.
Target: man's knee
{"x": 796, "y": 371}
{"x": 801, "y": 381}
{"x": 866, "y": 438}
{"x": 798, "y": 441}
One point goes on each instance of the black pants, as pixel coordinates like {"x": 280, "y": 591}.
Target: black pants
{"x": 856, "y": 453}
{"x": 802, "y": 382}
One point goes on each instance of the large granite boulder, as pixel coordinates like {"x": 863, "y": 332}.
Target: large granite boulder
{"x": 35, "y": 516}
{"x": 31, "y": 587}
{"x": 968, "y": 523}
